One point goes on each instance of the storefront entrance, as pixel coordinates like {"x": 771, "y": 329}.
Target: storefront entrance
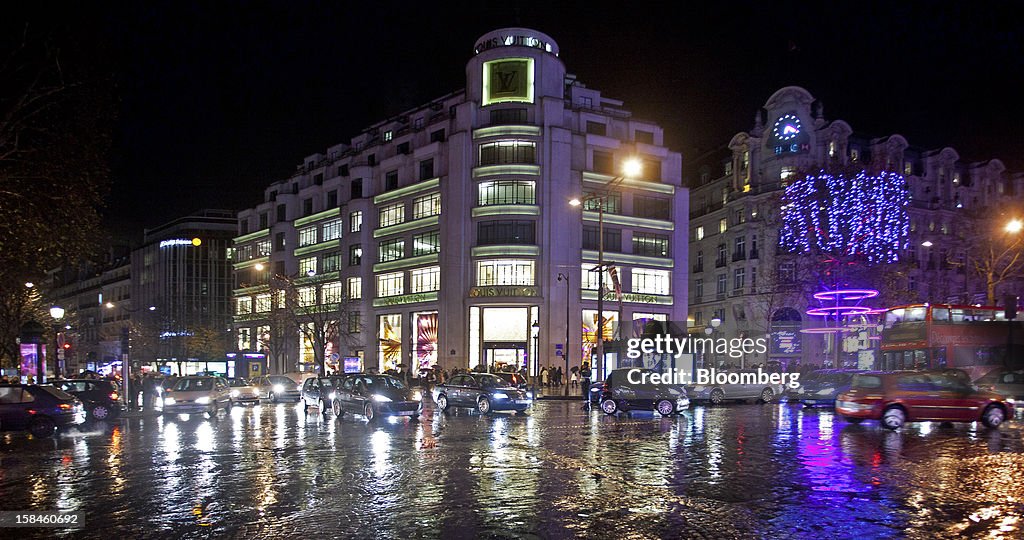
{"x": 504, "y": 356}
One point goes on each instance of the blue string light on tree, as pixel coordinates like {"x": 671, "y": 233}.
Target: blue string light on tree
{"x": 863, "y": 215}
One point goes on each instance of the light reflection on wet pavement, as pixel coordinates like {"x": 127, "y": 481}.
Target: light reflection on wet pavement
{"x": 742, "y": 471}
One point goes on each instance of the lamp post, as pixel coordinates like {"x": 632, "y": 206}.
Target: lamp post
{"x": 126, "y": 368}
{"x": 565, "y": 349}
{"x": 535, "y": 333}
{"x": 57, "y": 313}
{"x": 630, "y": 168}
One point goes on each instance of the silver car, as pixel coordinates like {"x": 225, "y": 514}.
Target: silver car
{"x": 1009, "y": 383}
{"x": 199, "y": 394}
{"x": 718, "y": 393}
{"x": 276, "y": 388}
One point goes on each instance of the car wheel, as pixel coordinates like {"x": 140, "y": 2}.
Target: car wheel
{"x": 665, "y": 407}
{"x": 853, "y": 419}
{"x": 442, "y": 402}
{"x": 336, "y": 407}
{"x": 229, "y": 404}
{"x": 767, "y": 395}
{"x": 42, "y": 427}
{"x": 893, "y": 418}
{"x": 369, "y": 413}
{"x": 993, "y": 416}
{"x": 483, "y": 406}
{"x": 609, "y": 406}
{"x": 323, "y": 408}
{"x": 100, "y": 412}
{"x": 717, "y": 396}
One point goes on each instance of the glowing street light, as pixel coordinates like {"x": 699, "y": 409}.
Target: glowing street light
{"x": 927, "y": 243}
{"x": 258, "y": 267}
{"x": 1014, "y": 226}
{"x": 29, "y": 284}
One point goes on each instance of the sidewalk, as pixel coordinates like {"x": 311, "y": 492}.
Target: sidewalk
{"x": 558, "y": 393}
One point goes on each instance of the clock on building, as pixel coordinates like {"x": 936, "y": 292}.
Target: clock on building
{"x": 786, "y": 127}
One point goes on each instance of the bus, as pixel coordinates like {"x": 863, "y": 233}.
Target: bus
{"x": 939, "y": 336}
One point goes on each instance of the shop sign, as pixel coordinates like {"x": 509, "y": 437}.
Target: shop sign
{"x": 502, "y": 291}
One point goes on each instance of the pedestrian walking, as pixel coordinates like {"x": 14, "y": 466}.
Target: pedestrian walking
{"x": 544, "y": 375}
{"x": 585, "y": 379}
{"x": 574, "y": 378}
{"x": 558, "y": 376}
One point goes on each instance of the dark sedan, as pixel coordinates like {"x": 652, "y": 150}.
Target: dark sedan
{"x": 40, "y": 409}
{"x": 100, "y": 396}
{"x": 481, "y": 391}
{"x": 822, "y": 386}
{"x": 374, "y": 396}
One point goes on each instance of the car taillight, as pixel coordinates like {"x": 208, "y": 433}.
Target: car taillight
{"x": 114, "y": 396}
{"x": 604, "y": 386}
{"x": 65, "y": 406}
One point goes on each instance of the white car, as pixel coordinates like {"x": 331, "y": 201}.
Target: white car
{"x": 198, "y": 394}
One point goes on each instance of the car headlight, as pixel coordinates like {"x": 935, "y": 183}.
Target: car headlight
{"x": 234, "y": 393}
{"x": 529, "y": 395}
{"x": 203, "y": 400}
{"x": 499, "y": 395}
{"x": 169, "y": 401}
{"x": 278, "y": 388}
{"x": 332, "y": 396}
{"x": 417, "y": 395}
{"x": 380, "y": 398}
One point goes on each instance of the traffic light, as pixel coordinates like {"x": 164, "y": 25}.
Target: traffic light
{"x": 66, "y": 346}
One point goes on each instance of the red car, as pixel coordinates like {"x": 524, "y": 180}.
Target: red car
{"x": 895, "y": 398}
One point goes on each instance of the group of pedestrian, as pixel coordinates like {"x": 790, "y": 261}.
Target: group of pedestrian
{"x": 551, "y": 376}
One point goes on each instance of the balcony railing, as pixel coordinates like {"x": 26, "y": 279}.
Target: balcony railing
{"x": 739, "y": 256}
{"x": 720, "y": 262}
{"x": 697, "y": 268}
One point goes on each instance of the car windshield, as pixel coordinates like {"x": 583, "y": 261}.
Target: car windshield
{"x": 374, "y": 383}
{"x": 867, "y": 381}
{"x": 57, "y": 392}
{"x": 193, "y": 385}
{"x": 488, "y": 381}
{"x": 281, "y": 380}
{"x": 238, "y": 381}
{"x": 327, "y": 383}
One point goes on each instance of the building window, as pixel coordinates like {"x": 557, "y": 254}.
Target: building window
{"x": 355, "y": 322}
{"x": 307, "y": 265}
{"x": 506, "y": 192}
{"x": 604, "y": 163}
{"x": 264, "y": 220}
{"x": 332, "y": 293}
{"x": 908, "y": 168}
{"x": 854, "y": 154}
{"x": 739, "y": 278}
{"x": 787, "y": 272}
{"x": 786, "y": 175}
{"x": 426, "y": 206}
{"x": 391, "y": 181}
{"x": 427, "y": 169}
{"x": 728, "y": 168}
{"x": 506, "y": 232}
{"x": 506, "y": 152}
{"x": 307, "y": 236}
{"x": 355, "y": 255}
{"x": 355, "y": 221}
{"x": 741, "y": 248}
{"x": 508, "y": 116}
{"x": 279, "y": 242}
{"x": 723, "y": 284}
{"x": 596, "y": 128}
{"x": 700, "y": 261}
{"x": 589, "y": 279}
{"x": 388, "y": 135}
{"x": 646, "y": 281}
{"x": 356, "y": 190}
{"x": 739, "y": 216}
{"x": 437, "y": 136}
{"x": 753, "y": 280}
{"x": 355, "y": 288}
{"x": 698, "y": 318}
{"x": 306, "y": 296}
{"x": 391, "y": 250}
{"x": 651, "y": 207}
{"x": 331, "y": 230}
{"x": 719, "y": 314}
{"x": 426, "y": 279}
{"x": 612, "y": 239}
{"x": 646, "y": 137}
{"x": 391, "y": 215}
{"x": 403, "y": 148}
{"x": 263, "y": 248}
{"x": 720, "y": 260}
{"x": 651, "y": 170}
{"x": 243, "y": 305}
{"x": 332, "y": 199}
{"x": 504, "y": 272}
{"x": 698, "y": 289}
{"x": 331, "y": 262}
{"x": 723, "y": 225}
{"x": 392, "y": 284}
{"x": 831, "y": 149}
{"x": 651, "y": 245}
{"x": 611, "y": 201}
{"x": 307, "y": 207}
{"x": 698, "y": 233}
{"x": 282, "y": 213}
{"x": 244, "y": 339}
{"x": 426, "y": 243}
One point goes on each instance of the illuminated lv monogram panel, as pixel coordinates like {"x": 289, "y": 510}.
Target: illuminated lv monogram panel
{"x": 508, "y": 79}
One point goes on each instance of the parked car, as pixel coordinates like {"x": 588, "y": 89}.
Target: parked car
{"x": 319, "y": 392}
{"x": 625, "y": 389}
{"x": 243, "y": 391}
{"x": 374, "y": 396}
{"x": 1008, "y": 383}
{"x": 277, "y": 388}
{"x": 822, "y": 386}
{"x": 484, "y": 392}
{"x": 895, "y": 398}
{"x": 516, "y": 380}
{"x": 40, "y": 409}
{"x": 100, "y": 397}
{"x": 720, "y": 393}
{"x": 594, "y": 392}
{"x": 197, "y": 394}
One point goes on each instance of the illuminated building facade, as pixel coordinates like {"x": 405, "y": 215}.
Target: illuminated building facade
{"x": 768, "y": 194}
{"x": 436, "y": 237}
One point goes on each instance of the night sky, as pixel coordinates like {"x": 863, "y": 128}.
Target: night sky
{"x": 218, "y": 99}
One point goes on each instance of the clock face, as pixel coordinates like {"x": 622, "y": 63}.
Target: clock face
{"x": 786, "y": 127}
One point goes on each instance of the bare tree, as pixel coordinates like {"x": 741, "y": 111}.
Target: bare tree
{"x": 321, "y": 316}
{"x": 994, "y": 248}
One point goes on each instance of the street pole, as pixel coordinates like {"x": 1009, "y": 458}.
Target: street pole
{"x": 565, "y": 350}
{"x": 600, "y": 287}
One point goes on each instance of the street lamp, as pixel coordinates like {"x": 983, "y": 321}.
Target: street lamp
{"x": 565, "y": 349}
{"x": 57, "y": 313}
{"x": 126, "y": 370}
{"x": 631, "y": 168}
{"x": 1014, "y": 226}
{"x": 535, "y": 332}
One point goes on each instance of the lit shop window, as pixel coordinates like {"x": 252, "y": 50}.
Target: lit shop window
{"x": 504, "y": 272}
{"x": 332, "y": 230}
{"x": 263, "y": 303}
{"x": 392, "y": 284}
{"x": 355, "y": 288}
{"x": 506, "y": 192}
{"x": 307, "y": 296}
{"x": 243, "y": 305}
{"x": 508, "y": 152}
{"x": 391, "y": 215}
{"x": 652, "y": 245}
{"x": 263, "y": 248}
{"x": 426, "y": 243}
{"x": 648, "y": 281}
{"x": 391, "y": 250}
{"x": 355, "y": 221}
{"x": 426, "y": 279}
{"x": 426, "y": 206}
{"x": 307, "y": 236}
{"x": 307, "y": 266}
{"x": 332, "y": 292}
